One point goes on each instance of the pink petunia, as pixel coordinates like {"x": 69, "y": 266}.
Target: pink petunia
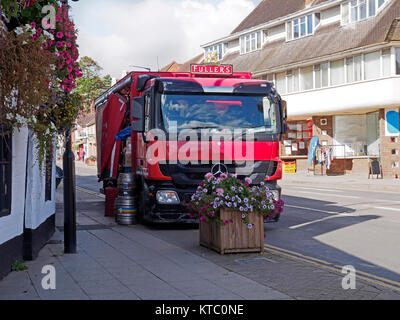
{"x": 59, "y": 35}
{"x": 33, "y": 25}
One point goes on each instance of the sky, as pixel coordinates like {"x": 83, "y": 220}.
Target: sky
{"x": 152, "y": 33}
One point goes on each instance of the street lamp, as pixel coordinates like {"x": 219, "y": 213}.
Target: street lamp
{"x": 69, "y": 191}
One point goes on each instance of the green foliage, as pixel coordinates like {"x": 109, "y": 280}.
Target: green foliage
{"x": 91, "y": 85}
{"x": 18, "y": 266}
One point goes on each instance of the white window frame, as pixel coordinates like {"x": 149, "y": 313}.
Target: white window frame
{"x": 299, "y": 23}
{"x": 358, "y": 5}
{"x": 257, "y": 36}
{"x": 215, "y": 48}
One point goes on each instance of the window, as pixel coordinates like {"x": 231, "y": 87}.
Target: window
{"x": 300, "y": 27}
{"x": 5, "y": 171}
{"x": 217, "y": 50}
{"x": 386, "y": 62}
{"x": 358, "y": 133}
{"x": 337, "y": 72}
{"x": 292, "y": 78}
{"x": 354, "y": 71}
{"x": 251, "y": 42}
{"x": 280, "y": 82}
{"x": 397, "y": 60}
{"x": 306, "y": 78}
{"x": 321, "y": 72}
{"x": 358, "y": 10}
{"x": 372, "y": 66}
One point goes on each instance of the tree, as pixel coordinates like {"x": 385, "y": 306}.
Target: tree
{"x": 91, "y": 85}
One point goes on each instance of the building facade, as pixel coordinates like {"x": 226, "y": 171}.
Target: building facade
{"x": 337, "y": 64}
{"x": 27, "y": 198}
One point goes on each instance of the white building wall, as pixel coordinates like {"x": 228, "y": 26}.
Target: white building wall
{"x": 360, "y": 96}
{"x": 37, "y": 209}
{"x": 276, "y": 33}
{"x": 12, "y": 225}
{"x": 330, "y": 15}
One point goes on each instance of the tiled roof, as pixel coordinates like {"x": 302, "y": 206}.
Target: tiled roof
{"x": 172, "y": 67}
{"x": 327, "y": 40}
{"x": 269, "y": 10}
{"x": 185, "y": 67}
{"x": 86, "y": 120}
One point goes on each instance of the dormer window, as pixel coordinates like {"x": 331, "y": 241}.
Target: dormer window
{"x": 217, "y": 50}
{"x": 358, "y": 10}
{"x": 300, "y": 27}
{"x": 251, "y": 42}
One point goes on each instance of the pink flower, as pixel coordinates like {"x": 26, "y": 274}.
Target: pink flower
{"x": 226, "y": 223}
{"x": 33, "y": 25}
{"x": 248, "y": 180}
{"x": 220, "y": 191}
{"x": 59, "y": 35}
{"x": 209, "y": 175}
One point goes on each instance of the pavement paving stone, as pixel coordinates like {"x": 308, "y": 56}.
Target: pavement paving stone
{"x": 103, "y": 287}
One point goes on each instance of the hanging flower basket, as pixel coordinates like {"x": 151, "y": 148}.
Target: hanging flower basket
{"x": 232, "y": 213}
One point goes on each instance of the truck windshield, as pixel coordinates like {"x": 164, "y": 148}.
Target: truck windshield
{"x": 218, "y": 112}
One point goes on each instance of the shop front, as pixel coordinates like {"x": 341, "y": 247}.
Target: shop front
{"x": 347, "y": 143}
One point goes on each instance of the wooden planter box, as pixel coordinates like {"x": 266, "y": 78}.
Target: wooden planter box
{"x": 235, "y": 237}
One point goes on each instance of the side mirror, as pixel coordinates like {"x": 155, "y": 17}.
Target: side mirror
{"x": 142, "y": 80}
{"x": 137, "y": 112}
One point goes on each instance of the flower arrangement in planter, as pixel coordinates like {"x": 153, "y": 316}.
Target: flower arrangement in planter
{"x": 226, "y": 201}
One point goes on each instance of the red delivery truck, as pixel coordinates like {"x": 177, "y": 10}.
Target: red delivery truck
{"x": 181, "y": 126}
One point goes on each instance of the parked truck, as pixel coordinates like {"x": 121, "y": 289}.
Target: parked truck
{"x": 181, "y": 126}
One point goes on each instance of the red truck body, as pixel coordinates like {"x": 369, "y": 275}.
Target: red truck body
{"x": 154, "y": 102}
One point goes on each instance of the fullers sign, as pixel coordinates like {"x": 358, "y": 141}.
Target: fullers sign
{"x": 202, "y": 69}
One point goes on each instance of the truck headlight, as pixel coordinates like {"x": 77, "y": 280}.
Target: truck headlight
{"x": 275, "y": 194}
{"x": 167, "y": 197}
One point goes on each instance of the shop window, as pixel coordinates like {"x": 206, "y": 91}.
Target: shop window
{"x": 296, "y": 140}
{"x": 5, "y": 171}
{"x": 357, "y": 135}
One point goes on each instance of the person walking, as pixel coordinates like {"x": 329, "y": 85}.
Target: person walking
{"x": 83, "y": 156}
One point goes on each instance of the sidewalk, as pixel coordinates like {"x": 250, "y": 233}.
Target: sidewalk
{"x": 144, "y": 263}
{"x": 350, "y": 182}
{"x": 116, "y": 262}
